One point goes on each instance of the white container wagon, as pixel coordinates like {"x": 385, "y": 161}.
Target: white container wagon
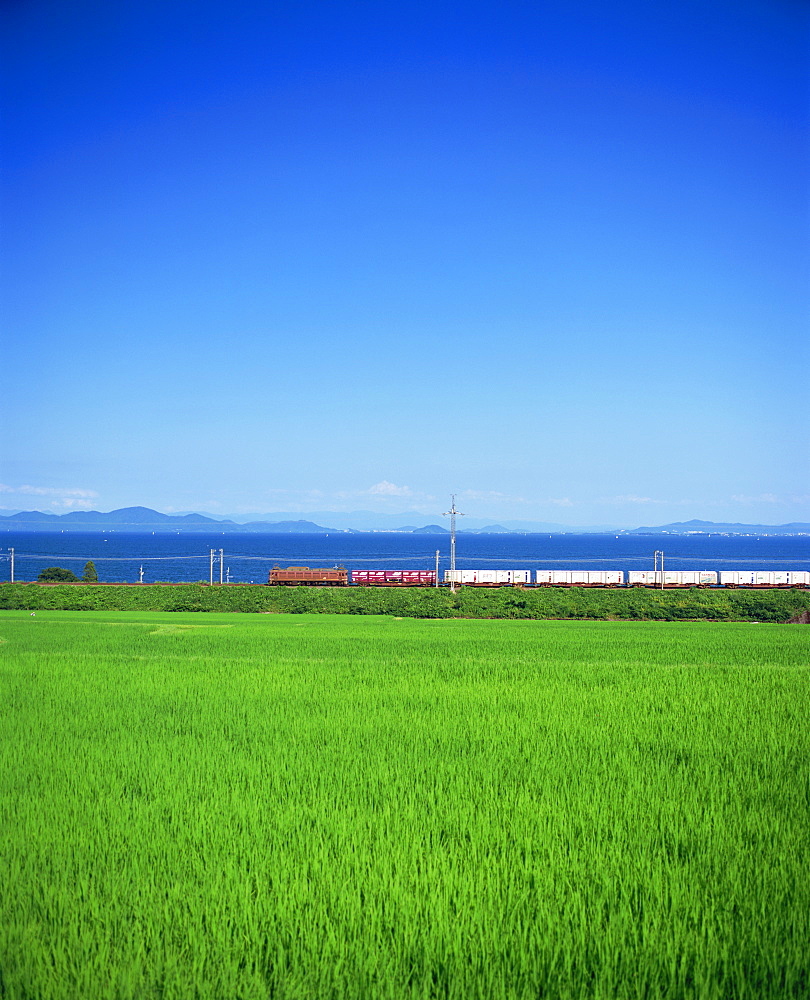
{"x": 488, "y": 577}
{"x": 579, "y": 578}
{"x": 672, "y": 578}
{"x": 764, "y": 578}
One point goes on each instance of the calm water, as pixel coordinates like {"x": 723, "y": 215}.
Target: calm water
{"x": 175, "y": 557}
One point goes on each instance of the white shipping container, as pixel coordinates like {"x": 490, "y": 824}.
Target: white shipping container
{"x": 692, "y": 578}
{"x": 487, "y": 577}
{"x": 764, "y": 578}
{"x": 672, "y": 578}
{"x": 579, "y": 577}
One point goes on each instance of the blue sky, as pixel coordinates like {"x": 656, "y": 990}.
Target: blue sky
{"x": 311, "y": 256}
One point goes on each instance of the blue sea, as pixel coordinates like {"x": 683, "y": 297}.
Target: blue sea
{"x": 247, "y": 558}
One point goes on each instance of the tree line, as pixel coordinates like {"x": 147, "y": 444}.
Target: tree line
{"x": 57, "y": 574}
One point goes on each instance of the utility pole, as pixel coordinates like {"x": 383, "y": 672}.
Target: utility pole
{"x": 437, "y": 568}
{"x": 453, "y": 513}
{"x": 11, "y": 557}
{"x": 140, "y": 575}
{"x": 221, "y": 557}
{"x": 211, "y": 568}
{"x": 658, "y": 556}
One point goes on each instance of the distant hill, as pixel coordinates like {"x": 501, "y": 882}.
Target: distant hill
{"x": 132, "y": 518}
{"x": 696, "y": 527}
{"x": 367, "y": 520}
{"x": 133, "y": 515}
{"x": 135, "y": 519}
{"x": 144, "y": 518}
{"x": 490, "y": 529}
{"x": 286, "y": 527}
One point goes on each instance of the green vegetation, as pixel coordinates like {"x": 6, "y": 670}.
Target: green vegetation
{"x": 90, "y": 575}
{"x": 57, "y": 574}
{"x": 300, "y": 806}
{"x": 469, "y": 602}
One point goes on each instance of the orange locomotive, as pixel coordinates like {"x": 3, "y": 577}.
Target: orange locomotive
{"x": 303, "y": 576}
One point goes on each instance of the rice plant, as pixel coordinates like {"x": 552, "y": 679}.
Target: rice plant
{"x": 299, "y": 806}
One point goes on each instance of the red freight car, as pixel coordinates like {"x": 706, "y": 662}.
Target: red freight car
{"x": 303, "y": 576}
{"x": 394, "y": 577}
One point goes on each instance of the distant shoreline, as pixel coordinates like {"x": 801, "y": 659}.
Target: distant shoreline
{"x": 17, "y": 527}
{"x": 147, "y": 520}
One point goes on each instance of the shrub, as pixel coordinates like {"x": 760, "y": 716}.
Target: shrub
{"x": 56, "y": 574}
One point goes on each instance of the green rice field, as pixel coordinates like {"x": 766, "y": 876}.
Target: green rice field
{"x": 234, "y": 807}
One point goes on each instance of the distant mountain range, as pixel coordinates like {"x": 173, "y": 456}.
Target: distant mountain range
{"x": 144, "y": 518}
{"x": 696, "y": 527}
{"x": 139, "y": 519}
{"x": 369, "y": 520}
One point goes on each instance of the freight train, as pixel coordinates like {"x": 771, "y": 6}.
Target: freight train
{"x": 339, "y": 576}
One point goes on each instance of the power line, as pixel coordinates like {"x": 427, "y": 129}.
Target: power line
{"x": 453, "y": 513}
{"x": 65, "y": 558}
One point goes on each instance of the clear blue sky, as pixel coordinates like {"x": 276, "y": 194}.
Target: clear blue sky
{"x": 301, "y": 255}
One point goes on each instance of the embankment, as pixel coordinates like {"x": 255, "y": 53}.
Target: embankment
{"x": 546, "y": 603}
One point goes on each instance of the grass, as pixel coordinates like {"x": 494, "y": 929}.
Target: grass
{"x": 576, "y": 603}
{"x": 298, "y": 806}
